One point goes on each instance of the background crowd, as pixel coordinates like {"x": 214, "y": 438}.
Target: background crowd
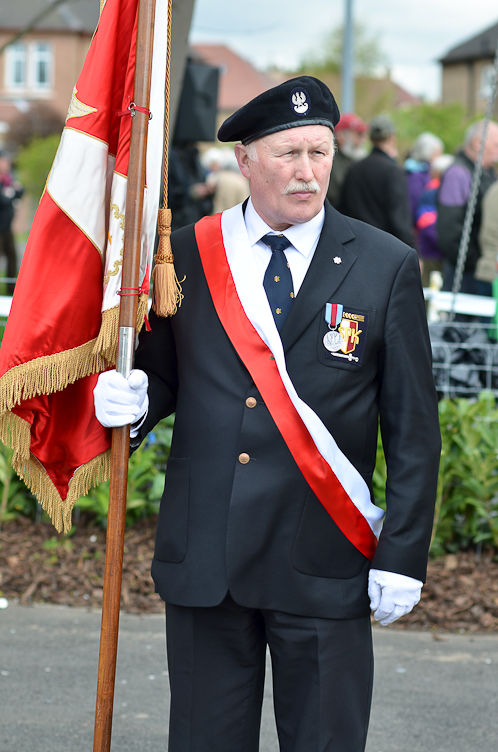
{"x": 420, "y": 197}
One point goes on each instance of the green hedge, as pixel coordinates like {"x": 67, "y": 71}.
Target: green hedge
{"x": 467, "y": 498}
{"x": 146, "y": 473}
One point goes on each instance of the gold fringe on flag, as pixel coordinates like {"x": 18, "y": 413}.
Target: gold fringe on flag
{"x": 49, "y": 373}
{"x": 53, "y": 373}
{"x": 45, "y": 375}
{"x": 15, "y": 433}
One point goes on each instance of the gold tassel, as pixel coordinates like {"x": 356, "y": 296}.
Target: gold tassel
{"x": 167, "y": 294}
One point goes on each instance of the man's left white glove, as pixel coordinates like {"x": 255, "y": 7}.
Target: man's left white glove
{"x": 392, "y": 595}
{"x": 120, "y": 401}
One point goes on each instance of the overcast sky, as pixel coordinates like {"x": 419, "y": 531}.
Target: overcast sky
{"x": 412, "y": 34}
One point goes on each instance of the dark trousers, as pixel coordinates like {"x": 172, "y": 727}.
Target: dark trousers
{"x": 8, "y": 249}
{"x": 322, "y": 679}
{"x": 468, "y": 281}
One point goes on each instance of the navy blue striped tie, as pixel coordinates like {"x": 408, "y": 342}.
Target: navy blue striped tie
{"x": 278, "y": 279}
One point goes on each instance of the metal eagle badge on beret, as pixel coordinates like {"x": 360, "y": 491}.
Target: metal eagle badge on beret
{"x": 299, "y": 99}
{"x": 347, "y": 333}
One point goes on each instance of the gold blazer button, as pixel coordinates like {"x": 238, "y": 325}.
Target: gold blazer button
{"x": 244, "y": 458}
{"x": 251, "y": 402}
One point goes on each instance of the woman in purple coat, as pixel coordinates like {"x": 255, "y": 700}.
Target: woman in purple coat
{"x": 417, "y": 167}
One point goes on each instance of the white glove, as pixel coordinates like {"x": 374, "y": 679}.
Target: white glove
{"x": 120, "y": 401}
{"x": 392, "y": 595}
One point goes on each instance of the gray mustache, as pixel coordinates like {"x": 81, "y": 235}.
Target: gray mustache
{"x": 302, "y": 187}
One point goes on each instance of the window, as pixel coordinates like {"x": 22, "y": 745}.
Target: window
{"x": 29, "y": 66}
{"x": 15, "y": 69}
{"x": 41, "y": 65}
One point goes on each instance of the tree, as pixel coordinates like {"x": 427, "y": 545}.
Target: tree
{"x": 34, "y": 162}
{"x": 370, "y": 59}
{"x": 39, "y": 121}
{"x": 448, "y": 121}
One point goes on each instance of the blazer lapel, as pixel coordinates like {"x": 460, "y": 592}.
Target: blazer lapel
{"x": 323, "y": 277}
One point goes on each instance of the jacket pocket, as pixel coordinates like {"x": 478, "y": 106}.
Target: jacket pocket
{"x": 344, "y": 348}
{"x": 320, "y": 548}
{"x": 172, "y": 524}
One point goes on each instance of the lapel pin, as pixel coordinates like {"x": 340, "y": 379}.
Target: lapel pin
{"x": 337, "y": 260}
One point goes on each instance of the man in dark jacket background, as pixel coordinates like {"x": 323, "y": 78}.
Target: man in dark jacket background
{"x": 10, "y": 191}
{"x": 374, "y": 189}
{"x": 350, "y": 133}
{"x": 453, "y": 198}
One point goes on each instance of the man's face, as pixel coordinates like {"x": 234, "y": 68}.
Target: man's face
{"x": 490, "y": 156}
{"x": 350, "y": 142}
{"x": 289, "y": 180}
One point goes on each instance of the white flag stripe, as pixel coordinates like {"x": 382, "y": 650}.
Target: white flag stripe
{"x": 114, "y": 251}
{"x": 155, "y": 145}
{"x": 77, "y": 182}
{"x": 255, "y": 303}
{"x": 155, "y": 139}
{"x": 83, "y": 182}
{"x": 111, "y": 161}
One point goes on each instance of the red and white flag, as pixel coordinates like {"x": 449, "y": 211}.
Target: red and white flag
{"x": 63, "y": 326}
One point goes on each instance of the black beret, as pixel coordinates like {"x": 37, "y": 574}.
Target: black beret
{"x": 300, "y": 101}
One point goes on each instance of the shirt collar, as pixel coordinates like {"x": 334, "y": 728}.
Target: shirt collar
{"x": 303, "y": 237}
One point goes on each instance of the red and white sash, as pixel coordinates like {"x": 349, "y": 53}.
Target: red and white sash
{"x": 242, "y": 307}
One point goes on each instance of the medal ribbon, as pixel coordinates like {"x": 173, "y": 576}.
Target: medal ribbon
{"x": 333, "y": 314}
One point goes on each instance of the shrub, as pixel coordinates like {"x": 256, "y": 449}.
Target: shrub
{"x": 34, "y": 163}
{"x": 146, "y": 474}
{"x": 467, "y": 496}
{"x": 15, "y": 499}
{"x": 448, "y": 121}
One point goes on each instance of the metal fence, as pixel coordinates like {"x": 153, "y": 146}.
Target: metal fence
{"x": 465, "y": 358}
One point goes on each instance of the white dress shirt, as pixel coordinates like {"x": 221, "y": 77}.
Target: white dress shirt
{"x": 304, "y": 239}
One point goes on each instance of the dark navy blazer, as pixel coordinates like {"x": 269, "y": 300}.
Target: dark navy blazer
{"x": 256, "y": 529}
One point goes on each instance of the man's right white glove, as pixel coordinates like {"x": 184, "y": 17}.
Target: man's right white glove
{"x": 120, "y": 401}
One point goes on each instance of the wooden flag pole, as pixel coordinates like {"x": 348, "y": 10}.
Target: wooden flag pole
{"x": 127, "y": 325}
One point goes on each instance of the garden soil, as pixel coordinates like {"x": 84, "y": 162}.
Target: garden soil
{"x": 39, "y": 565}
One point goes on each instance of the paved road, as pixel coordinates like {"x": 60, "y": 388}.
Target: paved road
{"x": 430, "y": 696}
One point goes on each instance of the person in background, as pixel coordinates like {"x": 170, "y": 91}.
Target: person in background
{"x": 10, "y": 192}
{"x": 189, "y": 196}
{"x": 426, "y": 148}
{"x": 230, "y": 186}
{"x": 453, "y": 198}
{"x": 426, "y": 218}
{"x": 350, "y": 134}
{"x": 486, "y": 268}
{"x": 374, "y": 189}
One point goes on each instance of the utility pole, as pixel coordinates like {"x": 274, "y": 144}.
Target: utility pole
{"x": 347, "y": 78}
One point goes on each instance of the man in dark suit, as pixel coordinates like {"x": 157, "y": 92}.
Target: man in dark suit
{"x": 299, "y": 329}
{"x": 374, "y": 189}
